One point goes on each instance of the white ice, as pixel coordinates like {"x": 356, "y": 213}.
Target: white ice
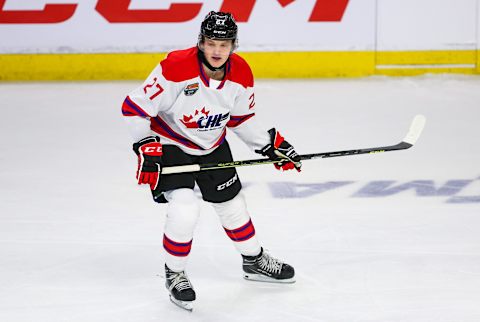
{"x": 392, "y": 237}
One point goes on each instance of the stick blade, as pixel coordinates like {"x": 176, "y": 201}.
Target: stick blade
{"x": 415, "y": 130}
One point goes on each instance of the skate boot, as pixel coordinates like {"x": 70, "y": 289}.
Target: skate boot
{"x": 265, "y": 268}
{"x": 181, "y": 291}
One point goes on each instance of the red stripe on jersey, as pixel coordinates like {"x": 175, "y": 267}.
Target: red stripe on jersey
{"x": 175, "y": 248}
{"x": 243, "y": 233}
{"x": 237, "y": 120}
{"x": 161, "y": 127}
{"x": 129, "y": 108}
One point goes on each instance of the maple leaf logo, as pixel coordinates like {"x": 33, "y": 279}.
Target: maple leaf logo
{"x": 191, "y": 121}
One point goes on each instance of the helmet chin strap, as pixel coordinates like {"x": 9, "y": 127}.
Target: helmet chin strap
{"x": 203, "y": 59}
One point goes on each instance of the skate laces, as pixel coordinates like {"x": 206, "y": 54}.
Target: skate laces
{"x": 269, "y": 263}
{"x": 179, "y": 281}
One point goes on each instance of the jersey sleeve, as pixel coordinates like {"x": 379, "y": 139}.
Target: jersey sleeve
{"x": 244, "y": 123}
{"x": 156, "y": 94}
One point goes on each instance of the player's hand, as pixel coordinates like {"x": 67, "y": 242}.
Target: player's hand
{"x": 149, "y": 152}
{"x": 278, "y": 149}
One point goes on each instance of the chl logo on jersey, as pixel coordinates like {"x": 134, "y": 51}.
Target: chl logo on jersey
{"x": 203, "y": 120}
{"x": 191, "y": 89}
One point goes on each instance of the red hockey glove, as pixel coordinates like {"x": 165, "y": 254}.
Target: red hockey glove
{"x": 149, "y": 152}
{"x": 278, "y": 149}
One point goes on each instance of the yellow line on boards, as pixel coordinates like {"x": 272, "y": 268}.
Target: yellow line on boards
{"x": 77, "y": 66}
{"x": 123, "y": 66}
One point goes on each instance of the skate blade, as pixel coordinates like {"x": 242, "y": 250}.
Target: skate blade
{"x": 188, "y": 306}
{"x": 262, "y": 278}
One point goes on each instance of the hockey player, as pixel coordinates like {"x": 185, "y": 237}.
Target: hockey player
{"x": 178, "y": 116}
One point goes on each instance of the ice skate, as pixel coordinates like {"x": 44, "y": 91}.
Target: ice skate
{"x": 180, "y": 288}
{"x": 265, "y": 268}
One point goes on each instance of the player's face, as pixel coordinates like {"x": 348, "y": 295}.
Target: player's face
{"x": 217, "y": 51}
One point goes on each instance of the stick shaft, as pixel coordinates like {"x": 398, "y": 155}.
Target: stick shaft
{"x": 252, "y": 162}
{"x": 413, "y": 134}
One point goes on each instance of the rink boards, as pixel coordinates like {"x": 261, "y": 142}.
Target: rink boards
{"x": 108, "y": 40}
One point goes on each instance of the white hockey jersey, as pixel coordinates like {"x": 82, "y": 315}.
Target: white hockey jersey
{"x": 179, "y": 103}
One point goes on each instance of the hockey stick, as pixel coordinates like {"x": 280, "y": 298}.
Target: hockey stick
{"x": 412, "y": 136}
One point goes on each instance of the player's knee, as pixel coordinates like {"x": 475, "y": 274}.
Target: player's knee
{"x": 183, "y": 195}
{"x": 234, "y": 209}
{"x": 183, "y": 208}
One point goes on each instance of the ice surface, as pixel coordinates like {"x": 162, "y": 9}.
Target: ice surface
{"x": 388, "y": 237}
